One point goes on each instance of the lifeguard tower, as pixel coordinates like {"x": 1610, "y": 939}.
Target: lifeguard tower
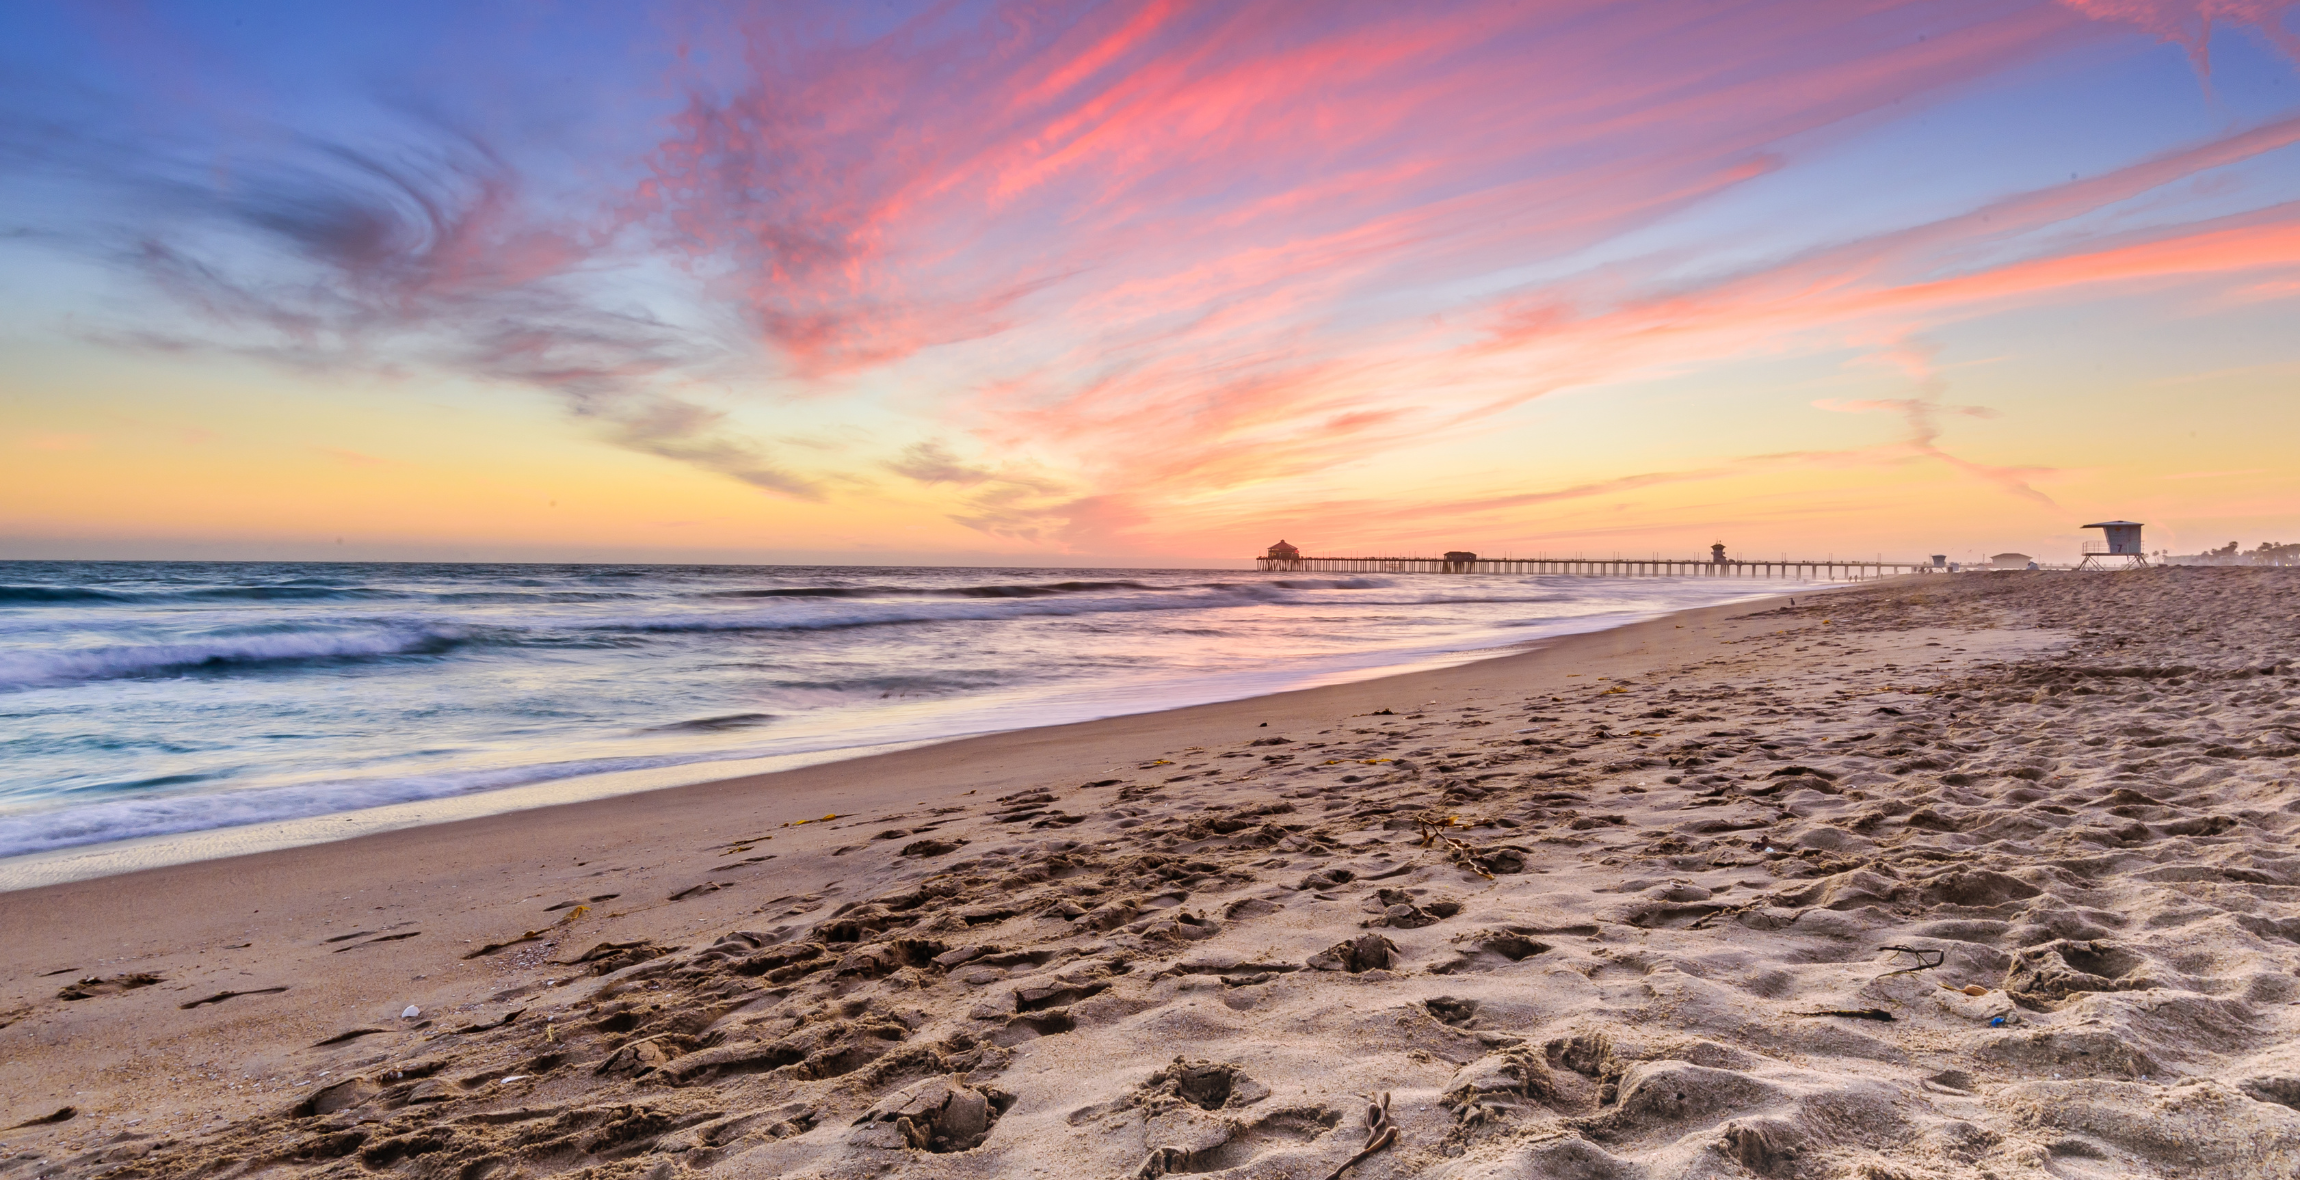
{"x": 2120, "y": 551}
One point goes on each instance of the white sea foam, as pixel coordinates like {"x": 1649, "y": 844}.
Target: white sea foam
{"x": 162, "y": 699}
{"x": 50, "y": 667}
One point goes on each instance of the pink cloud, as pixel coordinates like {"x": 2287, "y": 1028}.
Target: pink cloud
{"x": 1146, "y": 261}
{"x": 2189, "y": 22}
{"x": 867, "y": 200}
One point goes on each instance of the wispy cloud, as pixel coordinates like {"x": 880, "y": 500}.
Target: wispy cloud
{"x": 419, "y": 253}
{"x": 1153, "y": 261}
{"x": 2190, "y": 22}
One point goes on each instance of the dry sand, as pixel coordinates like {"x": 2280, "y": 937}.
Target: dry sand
{"x": 1984, "y": 876}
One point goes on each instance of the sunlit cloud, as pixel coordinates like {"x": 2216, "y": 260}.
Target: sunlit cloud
{"x": 1141, "y": 274}
{"x": 2190, "y": 22}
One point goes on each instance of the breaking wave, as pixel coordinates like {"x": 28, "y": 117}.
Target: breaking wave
{"x": 19, "y": 669}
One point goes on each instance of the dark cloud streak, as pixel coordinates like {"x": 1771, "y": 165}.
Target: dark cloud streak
{"x": 420, "y": 253}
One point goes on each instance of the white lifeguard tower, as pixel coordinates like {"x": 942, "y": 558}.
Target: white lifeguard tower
{"x": 2121, "y": 547}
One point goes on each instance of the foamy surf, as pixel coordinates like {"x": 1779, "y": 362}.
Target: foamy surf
{"x": 164, "y": 699}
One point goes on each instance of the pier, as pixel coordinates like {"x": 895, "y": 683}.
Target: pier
{"x": 1283, "y": 558}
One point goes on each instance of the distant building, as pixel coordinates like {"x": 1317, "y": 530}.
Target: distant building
{"x": 1460, "y": 561}
{"x": 2010, "y": 561}
{"x": 1284, "y": 552}
{"x": 2123, "y": 537}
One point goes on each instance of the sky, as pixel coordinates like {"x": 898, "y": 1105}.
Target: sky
{"x": 1145, "y": 283}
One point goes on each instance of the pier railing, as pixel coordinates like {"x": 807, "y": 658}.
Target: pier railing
{"x": 1601, "y": 567}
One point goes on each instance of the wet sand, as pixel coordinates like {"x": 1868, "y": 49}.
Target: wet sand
{"x": 1984, "y": 876}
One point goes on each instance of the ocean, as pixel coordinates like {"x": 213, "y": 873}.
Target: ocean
{"x": 147, "y": 699}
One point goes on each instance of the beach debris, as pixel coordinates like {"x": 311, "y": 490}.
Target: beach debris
{"x": 63, "y": 1114}
{"x": 350, "y": 1035}
{"x": 824, "y": 820}
{"x": 95, "y": 985}
{"x": 220, "y": 997}
{"x": 411, "y": 1012}
{"x": 493, "y": 947}
{"x": 1380, "y": 1133}
{"x": 1876, "y": 1014}
{"x": 1163, "y": 1161}
{"x": 373, "y": 941}
{"x": 1939, "y": 957}
{"x": 1433, "y": 829}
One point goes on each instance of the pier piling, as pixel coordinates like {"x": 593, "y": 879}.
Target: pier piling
{"x": 1717, "y": 566}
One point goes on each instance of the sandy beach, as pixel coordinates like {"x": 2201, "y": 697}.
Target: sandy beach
{"x": 1983, "y": 876}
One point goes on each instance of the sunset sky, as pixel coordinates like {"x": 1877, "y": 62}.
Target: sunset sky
{"x": 1145, "y": 283}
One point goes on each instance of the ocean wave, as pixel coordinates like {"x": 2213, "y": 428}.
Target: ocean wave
{"x": 1022, "y": 590}
{"x": 1463, "y": 600}
{"x": 175, "y": 814}
{"x": 26, "y": 595}
{"x": 189, "y": 697}
{"x": 280, "y": 594}
{"x": 215, "y": 653}
{"x": 518, "y": 597}
{"x": 923, "y": 612}
{"x": 1331, "y": 583}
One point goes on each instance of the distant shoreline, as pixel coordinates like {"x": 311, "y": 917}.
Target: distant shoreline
{"x": 97, "y": 860}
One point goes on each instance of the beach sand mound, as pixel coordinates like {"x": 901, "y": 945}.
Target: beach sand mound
{"x": 1836, "y": 900}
